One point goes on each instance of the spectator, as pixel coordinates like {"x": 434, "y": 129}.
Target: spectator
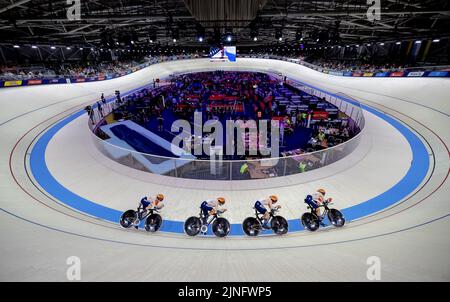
{"x": 100, "y": 109}
{"x": 321, "y": 135}
{"x": 160, "y": 123}
{"x": 302, "y": 167}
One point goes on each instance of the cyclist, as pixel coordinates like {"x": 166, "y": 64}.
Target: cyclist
{"x": 260, "y": 206}
{"x": 211, "y": 206}
{"x": 148, "y": 203}
{"x": 315, "y": 200}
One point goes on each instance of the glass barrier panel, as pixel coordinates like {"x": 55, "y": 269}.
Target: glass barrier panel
{"x": 336, "y": 148}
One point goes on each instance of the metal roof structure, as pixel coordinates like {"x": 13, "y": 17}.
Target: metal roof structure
{"x": 252, "y": 22}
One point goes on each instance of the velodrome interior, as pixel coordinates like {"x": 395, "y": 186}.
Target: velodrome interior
{"x": 40, "y": 230}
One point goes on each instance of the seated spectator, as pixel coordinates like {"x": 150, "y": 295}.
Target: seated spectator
{"x": 321, "y": 135}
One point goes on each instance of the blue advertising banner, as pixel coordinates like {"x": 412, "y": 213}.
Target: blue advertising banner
{"x": 382, "y": 74}
{"x": 438, "y": 74}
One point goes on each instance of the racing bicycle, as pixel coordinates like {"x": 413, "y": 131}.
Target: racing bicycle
{"x": 252, "y": 226}
{"x": 196, "y": 224}
{"x": 311, "y": 220}
{"x": 152, "y": 219}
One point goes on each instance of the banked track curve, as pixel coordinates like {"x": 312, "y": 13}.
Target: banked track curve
{"x": 18, "y": 169}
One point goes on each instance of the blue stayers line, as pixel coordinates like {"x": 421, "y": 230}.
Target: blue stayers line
{"x": 412, "y": 179}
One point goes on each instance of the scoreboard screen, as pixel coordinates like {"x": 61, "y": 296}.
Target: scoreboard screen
{"x": 223, "y": 54}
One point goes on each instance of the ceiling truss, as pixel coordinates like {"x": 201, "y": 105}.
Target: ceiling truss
{"x": 338, "y": 21}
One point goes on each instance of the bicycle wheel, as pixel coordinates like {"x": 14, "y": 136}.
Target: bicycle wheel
{"x": 336, "y": 218}
{"x": 310, "y": 221}
{"x": 221, "y": 227}
{"x": 251, "y": 226}
{"x": 279, "y": 225}
{"x": 192, "y": 226}
{"x": 153, "y": 223}
{"x": 127, "y": 218}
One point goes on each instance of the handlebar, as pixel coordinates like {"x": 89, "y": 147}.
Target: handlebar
{"x": 150, "y": 210}
{"x": 274, "y": 210}
{"x": 324, "y": 204}
{"x": 220, "y": 212}
{"x": 217, "y": 213}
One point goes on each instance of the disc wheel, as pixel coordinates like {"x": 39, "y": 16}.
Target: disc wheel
{"x": 153, "y": 223}
{"x": 310, "y": 222}
{"x": 127, "y": 218}
{"x": 192, "y": 226}
{"x": 279, "y": 225}
{"x": 336, "y": 218}
{"x": 221, "y": 227}
{"x": 251, "y": 226}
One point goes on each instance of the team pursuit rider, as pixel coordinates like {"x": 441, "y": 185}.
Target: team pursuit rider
{"x": 148, "y": 203}
{"x": 315, "y": 200}
{"x": 262, "y": 205}
{"x": 211, "y": 206}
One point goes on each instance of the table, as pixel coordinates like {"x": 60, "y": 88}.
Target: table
{"x": 257, "y": 171}
{"x": 237, "y": 108}
{"x": 299, "y": 156}
{"x": 307, "y": 156}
